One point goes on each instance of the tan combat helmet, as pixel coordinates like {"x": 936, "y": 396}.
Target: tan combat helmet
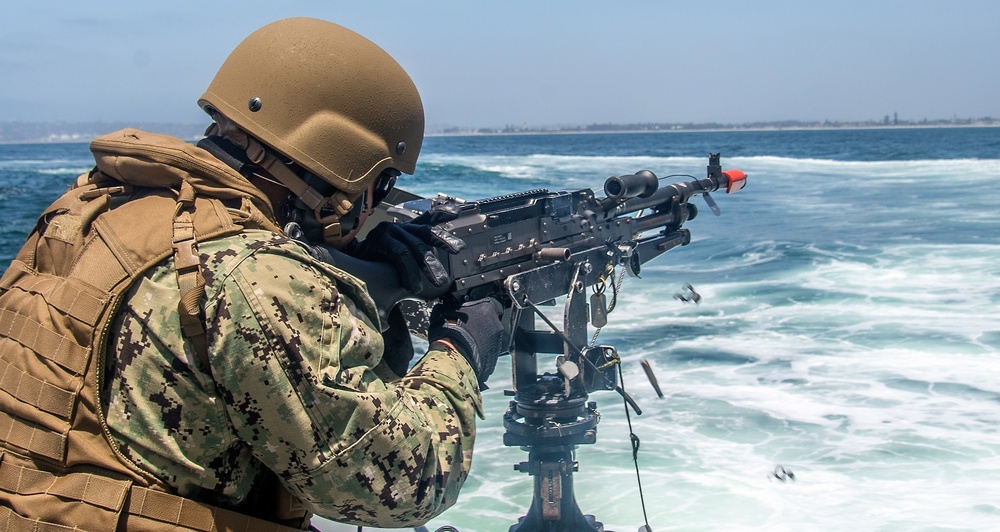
{"x": 326, "y": 98}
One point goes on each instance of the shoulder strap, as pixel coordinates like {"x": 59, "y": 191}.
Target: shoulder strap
{"x": 190, "y": 279}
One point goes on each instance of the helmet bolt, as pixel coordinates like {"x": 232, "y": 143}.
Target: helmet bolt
{"x": 255, "y": 104}
{"x": 400, "y": 148}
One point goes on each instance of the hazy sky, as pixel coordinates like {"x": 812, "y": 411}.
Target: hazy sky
{"x": 536, "y": 63}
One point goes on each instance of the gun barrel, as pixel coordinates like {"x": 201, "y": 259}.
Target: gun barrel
{"x": 680, "y": 192}
{"x": 733, "y": 180}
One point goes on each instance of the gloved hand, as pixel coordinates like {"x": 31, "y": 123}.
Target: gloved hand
{"x": 409, "y": 247}
{"x": 398, "y": 350}
{"x": 475, "y": 329}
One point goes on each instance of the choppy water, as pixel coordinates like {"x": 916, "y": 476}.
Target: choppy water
{"x": 848, "y": 329}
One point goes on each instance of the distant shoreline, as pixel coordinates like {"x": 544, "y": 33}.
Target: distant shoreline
{"x": 71, "y": 133}
{"x": 706, "y": 130}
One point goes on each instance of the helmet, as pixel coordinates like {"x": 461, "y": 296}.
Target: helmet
{"x": 325, "y": 97}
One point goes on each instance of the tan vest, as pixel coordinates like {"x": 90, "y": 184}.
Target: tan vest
{"x": 150, "y": 197}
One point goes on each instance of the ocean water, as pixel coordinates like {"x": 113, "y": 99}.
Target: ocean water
{"x": 848, "y": 330}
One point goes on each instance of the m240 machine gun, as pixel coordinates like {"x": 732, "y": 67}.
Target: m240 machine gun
{"x": 527, "y": 249}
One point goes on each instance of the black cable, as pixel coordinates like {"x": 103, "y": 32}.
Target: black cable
{"x": 635, "y": 451}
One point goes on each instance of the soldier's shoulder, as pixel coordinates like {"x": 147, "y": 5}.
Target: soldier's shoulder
{"x": 251, "y": 251}
{"x": 265, "y": 256}
{"x": 230, "y": 250}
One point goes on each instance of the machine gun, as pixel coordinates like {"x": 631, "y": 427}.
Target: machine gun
{"x": 528, "y": 249}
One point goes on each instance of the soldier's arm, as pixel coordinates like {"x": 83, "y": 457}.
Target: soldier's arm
{"x": 295, "y": 361}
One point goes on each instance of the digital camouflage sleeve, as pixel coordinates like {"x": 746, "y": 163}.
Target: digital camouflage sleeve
{"x": 296, "y": 386}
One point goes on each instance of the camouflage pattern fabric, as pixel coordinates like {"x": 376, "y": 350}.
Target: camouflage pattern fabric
{"x": 296, "y": 386}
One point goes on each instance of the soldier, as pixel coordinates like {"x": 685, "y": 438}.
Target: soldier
{"x": 171, "y": 358}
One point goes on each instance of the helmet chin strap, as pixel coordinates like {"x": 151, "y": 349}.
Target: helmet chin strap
{"x": 340, "y": 203}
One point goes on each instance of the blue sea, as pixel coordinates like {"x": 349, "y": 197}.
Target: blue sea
{"x": 848, "y": 330}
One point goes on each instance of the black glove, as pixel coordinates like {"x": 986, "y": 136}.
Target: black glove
{"x": 409, "y": 247}
{"x": 475, "y": 330}
{"x": 398, "y": 344}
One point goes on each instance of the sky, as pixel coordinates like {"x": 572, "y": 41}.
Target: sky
{"x": 531, "y": 63}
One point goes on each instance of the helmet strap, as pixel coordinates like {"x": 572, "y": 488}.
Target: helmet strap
{"x": 339, "y": 202}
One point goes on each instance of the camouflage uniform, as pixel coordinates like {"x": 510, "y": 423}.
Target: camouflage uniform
{"x": 296, "y": 386}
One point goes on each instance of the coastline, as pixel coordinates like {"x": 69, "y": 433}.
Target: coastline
{"x": 736, "y": 129}
{"x": 13, "y": 133}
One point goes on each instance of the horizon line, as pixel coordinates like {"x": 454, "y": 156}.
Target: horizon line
{"x": 82, "y": 131}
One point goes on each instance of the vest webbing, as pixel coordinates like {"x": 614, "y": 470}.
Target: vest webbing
{"x": 59, "y": 467}
{"x": 94, "y": 502}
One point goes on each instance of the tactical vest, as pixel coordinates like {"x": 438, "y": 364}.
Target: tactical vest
{"x": 150, "y": 197}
